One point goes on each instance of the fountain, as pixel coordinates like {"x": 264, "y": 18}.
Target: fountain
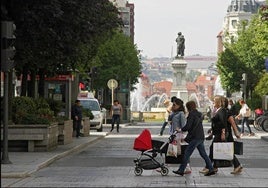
{"x": 218, "y": 88}
{"x": 141, "y": 103}
{"x": 194, "y": 97}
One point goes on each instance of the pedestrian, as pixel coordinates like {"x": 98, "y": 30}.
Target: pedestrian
{"x": 209, "y": 111}
{"x": 218, "y": 128}
{"x": 233, "y": 110}
{"x": 168, "y": 105}
{"x": 195, "y": 138}
{"x": 116, "y": 112}
{"x": 232, "y": 127}
{"x": 76, "y": 113}
{"x": 177, "y": 123}
{"x": 244, "y": 115}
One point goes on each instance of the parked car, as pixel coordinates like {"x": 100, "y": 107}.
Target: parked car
{"x": 89, "y": 102}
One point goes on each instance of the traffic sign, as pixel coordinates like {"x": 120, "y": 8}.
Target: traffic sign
{"x": 112, "y": 84}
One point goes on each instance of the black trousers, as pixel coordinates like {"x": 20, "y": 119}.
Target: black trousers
{"x": 77, "y": 127}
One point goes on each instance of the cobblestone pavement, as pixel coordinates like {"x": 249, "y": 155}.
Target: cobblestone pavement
{"x": 97, "y": 162}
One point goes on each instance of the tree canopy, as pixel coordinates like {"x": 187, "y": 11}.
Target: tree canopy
{"x": 245, "y": 55}
{"x": 117, "y": 59}
{"x": 58, "y": 35}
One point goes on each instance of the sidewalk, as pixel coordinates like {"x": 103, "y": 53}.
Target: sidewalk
{"x": 23, "y": 164}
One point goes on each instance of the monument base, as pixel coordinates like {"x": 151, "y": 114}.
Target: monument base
{"x": 182, "y": 94}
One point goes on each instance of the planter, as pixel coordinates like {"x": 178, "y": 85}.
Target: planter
{"x": 32, "y": 137}
{"x": 65, "y": 132}
{"x": 86, "y": 127}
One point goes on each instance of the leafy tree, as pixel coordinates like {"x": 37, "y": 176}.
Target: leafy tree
{"x": 117, "y": 58}
{"x": 50, "y": 34}
{"x": 261, "y": 89}
{"x": 245, "y": 55}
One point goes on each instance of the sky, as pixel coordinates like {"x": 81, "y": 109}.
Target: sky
{"x": 157, "y": 23}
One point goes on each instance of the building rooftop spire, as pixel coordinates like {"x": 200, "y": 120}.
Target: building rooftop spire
{"x": 243, "y": 6}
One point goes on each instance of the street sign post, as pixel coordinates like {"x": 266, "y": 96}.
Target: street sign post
{"x": 112, "y": 84}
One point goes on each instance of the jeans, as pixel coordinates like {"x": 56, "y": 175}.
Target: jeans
{"x": 243, "y": 122}
{"x": 199, "y": 144}
{"x": 163, "y": 127}
{"x": 115, "y": 119}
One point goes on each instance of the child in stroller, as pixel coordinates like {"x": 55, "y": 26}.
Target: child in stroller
{"x": 149, "y": 149}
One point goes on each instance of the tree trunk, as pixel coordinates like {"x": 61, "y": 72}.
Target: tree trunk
{"x": 41, "y": 83}
{"x": 31, "y": 88}
{"x": 24, "y": 82}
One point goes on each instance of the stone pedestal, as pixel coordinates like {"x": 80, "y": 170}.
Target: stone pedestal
{"x": 65, "y": 132}
{"x": 179, "y": 79}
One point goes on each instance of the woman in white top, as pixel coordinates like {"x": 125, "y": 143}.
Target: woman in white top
{"x": 244, "y": 114}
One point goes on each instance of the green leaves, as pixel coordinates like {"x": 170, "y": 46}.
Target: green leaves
{"x": 58, "y": 35}
{"x": 245, "y": 55}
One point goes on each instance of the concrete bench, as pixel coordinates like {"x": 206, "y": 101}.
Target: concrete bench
{"x": 28, "y": 137}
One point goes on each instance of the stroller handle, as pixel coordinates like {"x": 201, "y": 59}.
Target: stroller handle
{"x": 176, "y": 131}
{"x": 173, "y": 135}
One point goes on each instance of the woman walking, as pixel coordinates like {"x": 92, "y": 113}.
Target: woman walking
{"x": 231, "y": 125}
{"x": 244, "y": 114}
{"x": 219, "y": 128}
{"x": 177, "y": 123}
{"x": 116, "y": 112}
{"x": 195, "y": 138}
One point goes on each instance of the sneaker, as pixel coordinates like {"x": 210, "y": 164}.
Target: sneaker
{"x": 204, "y": 171}
{"x": 178, "y": 172}
{"x": 237, "y": 170}
{"x": 210, "y": 173}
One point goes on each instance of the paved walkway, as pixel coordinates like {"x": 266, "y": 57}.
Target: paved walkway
{"x": 23, "y": 164}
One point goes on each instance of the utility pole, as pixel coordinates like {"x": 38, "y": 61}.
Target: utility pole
{"x": 7, "y": 63}
{"x": 244, "y": 88}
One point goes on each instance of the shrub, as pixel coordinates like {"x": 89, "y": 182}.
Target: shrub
{"x": 55, "y": 106}
{"x": 87, "y": 113}
{"x": 22, "y": 108}
{"x": 26, "y": 110}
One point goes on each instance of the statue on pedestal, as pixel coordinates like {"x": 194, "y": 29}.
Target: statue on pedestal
{"x": 180, "y": 45}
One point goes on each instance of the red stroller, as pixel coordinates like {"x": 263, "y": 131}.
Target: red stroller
{"x": 149, "y": 149}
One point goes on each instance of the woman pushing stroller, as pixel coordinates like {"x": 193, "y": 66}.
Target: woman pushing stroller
{"x": 177, "y": 123}
{"x": 195, "y": 138}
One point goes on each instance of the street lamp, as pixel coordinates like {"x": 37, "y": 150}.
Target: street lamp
{"x": 244, "y": 85}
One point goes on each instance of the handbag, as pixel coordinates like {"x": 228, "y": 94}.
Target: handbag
{"x": 178, "y": 159}
{"x": 238, "y": 148}
{"x": 222, "y": 163}
{"x": 223, "y": 150}
{"x": 248, "y": 112}
{"x": 172, "y": 150}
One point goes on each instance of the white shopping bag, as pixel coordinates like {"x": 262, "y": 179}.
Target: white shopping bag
{"x": 172, "y": 150}
{"x": 223, "y": 150}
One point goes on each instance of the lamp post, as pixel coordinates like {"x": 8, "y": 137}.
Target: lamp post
{"x": 266, "y": 64}
{"x": 244, "y": 85}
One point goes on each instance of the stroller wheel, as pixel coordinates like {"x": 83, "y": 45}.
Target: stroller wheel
{"x": 164, "y": 171}
{"x": 138, "y": 171}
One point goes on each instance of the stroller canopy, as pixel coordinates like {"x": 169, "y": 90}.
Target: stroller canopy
{"x": 143, "y": 141}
